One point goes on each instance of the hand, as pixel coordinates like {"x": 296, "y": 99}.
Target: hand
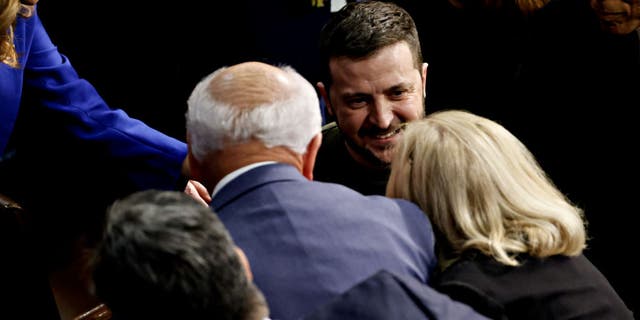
{"x": 198, "y": 191}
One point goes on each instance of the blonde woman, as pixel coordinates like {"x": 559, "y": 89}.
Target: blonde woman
{"x": 510, "y": 243}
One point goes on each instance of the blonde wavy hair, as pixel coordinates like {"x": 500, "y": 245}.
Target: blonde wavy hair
{"x": 9, "y": 10}
{"x": 483, "y": 190}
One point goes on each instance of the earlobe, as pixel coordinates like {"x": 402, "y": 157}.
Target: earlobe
{"x": 192, "y": 164}
{"x": 309, "y": 157}
{"x": 325, "y": 97}
{"x": 424, "y": 79}
{"x": 245, "y": 263}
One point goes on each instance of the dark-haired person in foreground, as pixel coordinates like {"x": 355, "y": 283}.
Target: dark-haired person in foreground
{"x": 166, "y": 256}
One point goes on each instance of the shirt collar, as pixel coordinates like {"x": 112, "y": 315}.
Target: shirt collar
{"x": 236, "y": 173}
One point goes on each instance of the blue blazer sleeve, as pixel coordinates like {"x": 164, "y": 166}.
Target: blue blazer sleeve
{"x": 148, "y": 158}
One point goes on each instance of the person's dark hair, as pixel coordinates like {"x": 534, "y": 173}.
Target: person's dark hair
{"x": 164, "y": 255}
{"x": 360, "y": 29}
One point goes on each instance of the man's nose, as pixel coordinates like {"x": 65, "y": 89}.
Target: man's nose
{"x": 381, "y": 114}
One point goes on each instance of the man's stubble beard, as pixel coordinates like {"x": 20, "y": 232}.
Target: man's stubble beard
{"x": 366, "y": 154}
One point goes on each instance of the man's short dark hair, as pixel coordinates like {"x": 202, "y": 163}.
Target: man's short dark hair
{"x": 360, "y": 29}
{"x": 164, "y": 255}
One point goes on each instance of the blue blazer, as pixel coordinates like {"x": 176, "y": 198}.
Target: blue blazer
{"x": 151, "y": 158}
{"x": 386, "y": 296}
{"x": 308, "y": 242}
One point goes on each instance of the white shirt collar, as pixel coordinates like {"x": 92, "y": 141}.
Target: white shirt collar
{"x": 236, "y": 173}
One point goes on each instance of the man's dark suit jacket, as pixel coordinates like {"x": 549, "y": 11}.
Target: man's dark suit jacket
{"x": 308, "y": 242}
{"x": 386, "y": 296}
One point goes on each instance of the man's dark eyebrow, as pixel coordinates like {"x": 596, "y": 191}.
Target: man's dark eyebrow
{"x": 400, "y": 86}
{"x": 350, "y": 95}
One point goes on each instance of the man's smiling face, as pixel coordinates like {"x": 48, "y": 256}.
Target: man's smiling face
{"x": 618, "y": 16}
{"x": 371, "y": 99}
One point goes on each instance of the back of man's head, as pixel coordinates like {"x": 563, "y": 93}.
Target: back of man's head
{"x": 164, "y": 255}
{"x": 252, "y": 101}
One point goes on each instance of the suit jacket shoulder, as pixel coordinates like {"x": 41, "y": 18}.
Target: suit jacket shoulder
{"x": 386, "y": 295}
{"x": 310, "y": 241}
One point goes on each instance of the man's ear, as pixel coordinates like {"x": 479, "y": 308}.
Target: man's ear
{"x": 423, "y": 72}
{"x": 245, "y": 263}
{"x": 309, "y": 157}
{"x": 325, "y": 97}
{"x": 192, "y": 164}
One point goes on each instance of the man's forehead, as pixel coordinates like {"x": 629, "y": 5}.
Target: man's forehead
{"x": 396, "y": 58}
{"x": 355, "y": 81}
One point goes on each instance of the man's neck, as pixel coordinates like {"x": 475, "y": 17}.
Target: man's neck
{"x": 223, "y": 162}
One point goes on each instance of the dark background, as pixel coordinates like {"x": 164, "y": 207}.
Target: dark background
{"x": 562, "y": 89}
{"x": 147, "y": 58}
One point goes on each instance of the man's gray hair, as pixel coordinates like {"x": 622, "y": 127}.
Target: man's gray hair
{"x": 291, "y": 121}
